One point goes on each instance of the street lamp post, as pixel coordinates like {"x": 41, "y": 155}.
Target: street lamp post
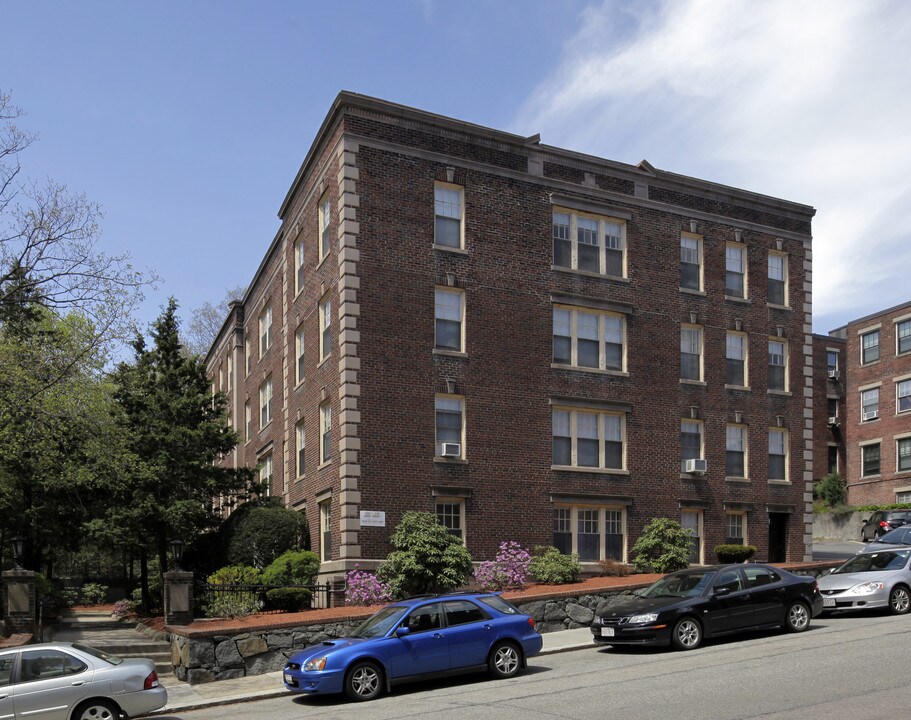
{"x": 18, "y": 543}
{"x": 177, "y": 552}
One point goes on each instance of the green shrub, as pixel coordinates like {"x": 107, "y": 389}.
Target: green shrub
{"x": 663, "y": 546}
{"x": 235, "y": 575}
{"x": 831, "y": 490}
{"x": 426, "y": 558}
{"x": 295, "y": 567}
{"x": 874, "y": 508}
{"x": 551, "y": 567}
{"x": 232, "y": 605}
{"x": 288, "y": 599}
{"x": 731, "y": 553}
{"x": 93, "y": 593}
{"x": 257, "y": 533}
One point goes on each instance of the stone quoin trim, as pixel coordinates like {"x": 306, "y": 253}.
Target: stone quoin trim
{"x": 808, "y": 404}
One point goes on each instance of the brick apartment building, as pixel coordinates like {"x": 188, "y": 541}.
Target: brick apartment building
{"x": 876, "y": 428}
{"x": 532, "y": 343}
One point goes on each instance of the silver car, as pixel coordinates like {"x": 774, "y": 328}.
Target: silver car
{"x": 876, "y": 578}
{"x": 69, "y": 681}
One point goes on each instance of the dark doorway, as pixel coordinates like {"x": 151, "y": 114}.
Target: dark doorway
{"x": 778, "y": 537}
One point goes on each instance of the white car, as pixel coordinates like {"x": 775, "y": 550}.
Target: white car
{"x": 875, "y": 578}
{"x": 69, "y": 681}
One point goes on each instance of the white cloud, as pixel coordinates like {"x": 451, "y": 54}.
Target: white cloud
{"x": 808, "y": 101}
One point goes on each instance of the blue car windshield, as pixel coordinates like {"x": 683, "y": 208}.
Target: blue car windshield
{"x": 687, "y": 584}
{"x": 379, "y": 624}
{"x": 874, "y": 562}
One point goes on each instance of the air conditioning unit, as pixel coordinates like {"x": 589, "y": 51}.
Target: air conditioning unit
{"x": 696, "y": 466}
{"x": 833, "y": 421}
{"x": 833, "y": 374}
{"x": 870, "y": 415}
{"x": 451, "y": 450}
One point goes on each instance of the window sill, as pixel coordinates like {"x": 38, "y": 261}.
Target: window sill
{"x": 265, "y": 427}
{"x": 322, "y": 260}
{"x": 323, "y": 362}
{"x": 775, "y": 306}
{"x": 740, "y": 388}
{"x": 780, "y": 393}
{"x": 869, "y": 422}
{"x": 447, "y": 248}
{"x": 692, "y": 476}
{"x": 324, "y": 465}
{"x": 738, "y": 300}
{"x": 599, "y": 471}
{"x": 450, "y": 353}
{"x": 872, "y": 362}
{"x": 450, "y": 461}
{"x": 598, "y": 371}
{"x": 588, "y": 273}
{"x": 870, "y": 477}
{"x": 733, "y": 479}
{"x": 902, "y": 473}
{"x": 780, "y": 482}
{"x": 690, "y": 291}
{"x": 699, "y": 383}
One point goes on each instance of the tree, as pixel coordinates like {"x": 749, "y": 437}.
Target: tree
{"x": 427, "y": 558}
{"x": 175, "y": 431}
{"x": 207, "y": 319}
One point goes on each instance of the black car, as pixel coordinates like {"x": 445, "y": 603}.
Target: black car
{"x": 882, "y": 521}
{"x": 684, "y": 607}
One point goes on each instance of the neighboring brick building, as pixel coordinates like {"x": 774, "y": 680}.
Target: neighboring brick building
{"x": 829, "y": 372}
{"x": 877, "y": 420}
{"x": 528, "y": 341}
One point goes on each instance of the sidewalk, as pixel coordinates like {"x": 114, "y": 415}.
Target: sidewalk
{"x": 183, "y": 697}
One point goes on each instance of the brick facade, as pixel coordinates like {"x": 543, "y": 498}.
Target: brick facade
{"x": 378, "y": 165}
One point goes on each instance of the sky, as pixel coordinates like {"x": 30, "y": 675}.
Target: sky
{"x": 187, "y": 121}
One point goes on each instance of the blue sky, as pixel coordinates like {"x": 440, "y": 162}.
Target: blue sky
{"x": 187, "y": 121}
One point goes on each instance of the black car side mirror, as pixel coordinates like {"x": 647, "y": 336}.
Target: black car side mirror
{"x": 722, "y": 591}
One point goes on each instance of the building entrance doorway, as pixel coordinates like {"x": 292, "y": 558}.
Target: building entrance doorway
{"x": 778, "y": 537}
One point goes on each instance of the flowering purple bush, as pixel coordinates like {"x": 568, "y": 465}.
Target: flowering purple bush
{"x": 124, "y": 608}
{"x": 364, "y": 588}
{"x": 508, "y": 570}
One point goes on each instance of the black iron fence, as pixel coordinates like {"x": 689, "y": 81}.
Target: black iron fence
{"x": 236, "y": 600}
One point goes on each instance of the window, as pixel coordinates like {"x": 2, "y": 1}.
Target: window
{"x": 691, "y": 262}
{"x": 265, "y": 403}
{"x": 325, "y": 432}
{"x": 831, "y": 361}
{"x": 778, "y": 454}
{"x": 690, "y": 442}
{"x": 778, "y": 356}
{"x": 588, "y": 339}
{"x": 736, "y": 451}
{"x": 325, "y": 214}
{"x": 6, "y": 669}
{"x": 690, "y": 353}
{"x": 448, "y": 216}
{"x": 449, "y": 314}
{"x": 869, "y": 347}
{"x": 451, "y": 514}
{"x": 248, "y": 361}
{"x": 903, "y": 396}
{"x": 248, "y": 422}
{"x": 833, "y": 459}
{"x": 832, "y": 407}
{"x": 325, "y": 327}
{"x": 735, "y": 528}
{"x": 778, "y": 279}
{"x": 692, "y": 520}
{"x": 298, "y": 266}
{"x": 903, "y": 496}
{"x": 265, "y": 475}
{"x": 449, "y": 423}
{"x": 595, "y": 533}
{"x": 736, "y": 353}
{"x": 758, "y": 576}
{"x": 325, "y": 528}
{"x": 869, "y": 459}
{"x": 299, "y": 353}
{"x": 265, "y": 330}
{"x": 301, "y": 438}
{"x": 903, "y": 453}
{"x": 588, "y": 439}
{"x": 869, "y": 404}
{"x": 460, "y": 612}
{"x": 590, "y": 243}
{"x": 47, "y": 665}
{"x": 903, "y": 337}
{"x": 230, "y": 372}
{"x": 735, "y": 271}
{"x": 425, "y": 618}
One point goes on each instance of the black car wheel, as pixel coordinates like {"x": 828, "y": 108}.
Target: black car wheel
{"x": 863, "y": 535}
{"x": 364, "y": 681}
{"x": 687, "y": 634}
{"x": 97, "y": 710}
{"x": 797, "y": 618}
{"x": 505, "y": 660}
{"x": 899, "y": 600}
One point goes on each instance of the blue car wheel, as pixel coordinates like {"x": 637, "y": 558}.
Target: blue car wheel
{"x": 364, "y": 681}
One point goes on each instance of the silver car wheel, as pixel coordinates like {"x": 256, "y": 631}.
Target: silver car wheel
{"x": 506, "y": 660}
{"x": 899, "y": 600}
{"x": 798, "y": 617}
{"x": 365, "y": 681}
{"x": 97, "y": 710}
{"x": 687, "y": 634}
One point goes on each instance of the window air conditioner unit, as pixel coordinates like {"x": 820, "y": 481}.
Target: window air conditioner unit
{"x": 871, "y": 415}
{"x": 833, "y": 421}
{"x": 451, "y": 450}
{"x": 696, "y": 466}
{"x": 833, "y": 374}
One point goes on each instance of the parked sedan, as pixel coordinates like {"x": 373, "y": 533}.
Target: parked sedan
{"x": 69, "y": 681}
{"x": 882, "y": 521}
{"x": 899, "y": 537}
{"x": 418, "y": 638}
{"x": 683, "y": 608}
{"x": 877, "y": 578}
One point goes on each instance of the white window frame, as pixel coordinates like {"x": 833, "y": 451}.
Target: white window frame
{"x": 603, "y": 319}
{"x": 602, "y": 511}
{"x": 899, "y": 395}
{"x": 744, "y": 442}
{"x": 902, "y": 325}
{"x": 230, "y": 370}
{"x": 864, "y": 346}
{"x": 863, "y": 449}
{"x": 325, "y": 432}
{"x": 299, "y": 343}
{"x": 442, "y": 208}
{"x": 325, "y": 327}
{"x": 248, "y": 359}
{"x": 783, "y": 257}
{"x": 898, "y": 443}
{"x": 575, "y": 416}
{"x": 325, "y": 528}
{"x": 686, "y": 255}
{"x": 745, "y": 355}
{"x": 604, "y": 224}
{"x": 445, "y": 402}
{"x": 300, "y": 446}
{"x": 298, "y": 265}
{"x": 783, "y": 432}
{"x": 266, "y": 469}
{"x": 700, "y": 530}
{"x": 265, "y": 330}
{"x": 443, "y": 312}
{"x": 740, "y": 518}
{"x": 324, "y": 219}
{"x": 701, "y": 427}
{"x": 700, "y": 335}
{"x": 866, "y": 401}
{"x": 786, "y": 380}
{"x": 441, "y": 505}
{"x": 265, "y": 402}
{"x": 730, "y": 261}
{"x": 248, "y": 422}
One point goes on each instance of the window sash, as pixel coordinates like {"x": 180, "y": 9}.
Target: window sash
{"x": 325, "y": 321}
{"x": 325, "y": 420}
{"x": 691, "y": 353}
{"x": 591, "y": 244}
{"x": 301, "y": 448}
{"x": 299, "y": 349}
{"x": 325, "y": 213}
{"x": 777, "y": 354}
{"x": 903, "y": 335}
{"x": 299, "y": 265}
{"x": 588, "y": 439}
{"x": 734, "y": 523}
{"x": 690, "y": 442}
{"x": 870, "y": 347}
{"x": 588, "y": 339}
{"x": 449, "y": 515}
{"x": 903, "y": 394}
{"x": 903, "y": 453}
{"x": 595, "y": 533}
{"x": 734, "y": 283}
{"x": 265, "y": 403}
{"x": 447, "y": 217}
{"x": 870, "y": 459}
{"x": 735, "y": 458}
{"x": 869, "y": 401}
{"x": 448, "y": 310}
{"x": 265, "y": 330}
{"x": 450, "y": 420}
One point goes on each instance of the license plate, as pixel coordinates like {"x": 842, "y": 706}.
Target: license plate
{"x": 607, "y": 632}
{"x": 828, "y": 602}
{"x": 289, "y": 679}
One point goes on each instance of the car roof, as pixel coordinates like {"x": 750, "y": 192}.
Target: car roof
{"x": 417, "y": 599}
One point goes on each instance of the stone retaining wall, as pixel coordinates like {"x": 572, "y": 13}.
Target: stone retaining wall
{"x": 839, "y": 526}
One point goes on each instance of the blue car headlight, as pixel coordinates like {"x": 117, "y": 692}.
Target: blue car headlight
{"x": 315, "y": 664}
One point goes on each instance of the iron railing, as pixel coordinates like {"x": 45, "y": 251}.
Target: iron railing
{"x": 233, "y": 600}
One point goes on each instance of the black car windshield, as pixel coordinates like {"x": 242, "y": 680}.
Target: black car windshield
{"x": 874, "y": 562}
{"x": 899, "y": 536}
{"x": 687, "y": 584}
{"x": 380, "y": 623}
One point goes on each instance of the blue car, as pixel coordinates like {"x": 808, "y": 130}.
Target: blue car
{"x": 418, "y": 638}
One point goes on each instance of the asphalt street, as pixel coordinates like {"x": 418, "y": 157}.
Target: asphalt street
{"x": 836, "y": 670}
